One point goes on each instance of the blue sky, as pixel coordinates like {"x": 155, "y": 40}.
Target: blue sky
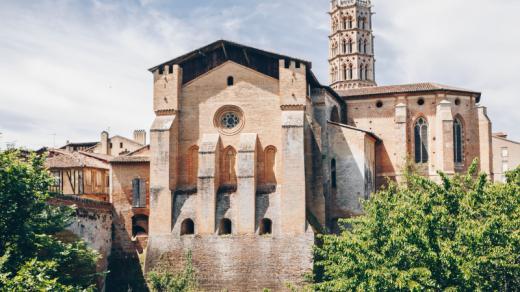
{"x": 70, "y": 69}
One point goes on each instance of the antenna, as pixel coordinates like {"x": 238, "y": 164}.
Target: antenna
{"x": 53, "y": 140}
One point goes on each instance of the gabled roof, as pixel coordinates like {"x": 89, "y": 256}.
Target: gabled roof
{"x": 404, "y": 88}
{"x": 202, "y": 60}
{"x": 126, "y": 139}
{"x": 140, "y": 155}
{"x": 64, "y": 159}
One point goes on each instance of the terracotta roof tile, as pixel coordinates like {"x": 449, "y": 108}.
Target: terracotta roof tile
{"x": 403, "y": 88}
{"x": 64, "y": 159}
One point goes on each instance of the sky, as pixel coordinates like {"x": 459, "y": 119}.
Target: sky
{"x": 70, "y": 69}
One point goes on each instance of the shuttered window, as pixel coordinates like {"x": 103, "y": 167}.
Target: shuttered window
{"x": 138, "y": 193}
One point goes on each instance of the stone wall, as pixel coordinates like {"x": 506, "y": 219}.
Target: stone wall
{"x": 93, "y": 225}
{"x": 236, "y": 262}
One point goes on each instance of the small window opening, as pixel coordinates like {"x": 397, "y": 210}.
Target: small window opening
{"x": 457, "y": 101}
{"x": 266, "y": 227}
{"x": 110, "y": 145}
{"x": 121, "y": 145}
{"x": 420, "y": 101}
{"x": 298, "y": 64}
{"x": 379, "y": 104}
{"x": 230, "y": 81}
{"x": 187, "y": 227}
{"x": 225, "y": 227}
{"x": 287, "y": 64}
{"x": 139, "y": 225}
{"x": 138, "y": 231}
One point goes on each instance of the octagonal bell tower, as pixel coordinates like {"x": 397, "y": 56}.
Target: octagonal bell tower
{"x": 351, "y": 45}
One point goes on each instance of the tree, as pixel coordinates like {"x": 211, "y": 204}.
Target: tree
{"x": 460, "y": 235}
{"x": 31, "y": 253}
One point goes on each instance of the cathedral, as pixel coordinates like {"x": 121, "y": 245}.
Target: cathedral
{"x": 250, "y": 155}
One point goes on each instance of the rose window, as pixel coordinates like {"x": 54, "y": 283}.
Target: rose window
{"x": 229, "y": 120}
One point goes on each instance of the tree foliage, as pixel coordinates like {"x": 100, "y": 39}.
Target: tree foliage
{"x": 459, "y": 235}
{"x": 31, "y": 255}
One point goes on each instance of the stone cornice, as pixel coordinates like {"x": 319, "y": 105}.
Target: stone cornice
{"x": 292, "y": 107}
{"x": 166, "y": 112}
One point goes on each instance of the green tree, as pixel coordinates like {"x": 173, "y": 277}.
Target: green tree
{"x": 32, "y": 257}
{"x": 459, "y": 235}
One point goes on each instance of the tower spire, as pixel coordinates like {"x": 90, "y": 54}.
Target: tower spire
{"x": 351, "y": 44}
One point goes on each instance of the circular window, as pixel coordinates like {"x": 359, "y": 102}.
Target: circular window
{"x": 457, "y": 101}
{"x": 420, "y": 101}
{"x": 229, "y": 120}
{"x": 379, "y": 104}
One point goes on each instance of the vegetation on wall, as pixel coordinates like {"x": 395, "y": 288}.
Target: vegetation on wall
{"x": 164, "y": 281}
{"x": 460, "y": 235}
{"x": 32, "y": 255}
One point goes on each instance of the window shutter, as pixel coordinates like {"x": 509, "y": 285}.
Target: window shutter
{"x": 142, "y": 193}
{"x": 135, "y": 192}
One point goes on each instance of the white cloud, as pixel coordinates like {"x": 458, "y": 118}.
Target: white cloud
{"x": 75, "y": 68}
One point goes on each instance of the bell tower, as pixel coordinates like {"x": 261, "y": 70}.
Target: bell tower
{"x": 351, "y": 45}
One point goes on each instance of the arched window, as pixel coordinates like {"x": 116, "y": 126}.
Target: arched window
{"x": 230, "y": 81}
{"x": 360, "y": 46}
{"x": 344, "y": 46}
{"x": 270, "y": 159}
{"x": 334, "y": 114}
{"x": 345, "y": 24}
{"x": 225, "y": 227}
{"x": 227, "y": 170}
{"x": 193, "y": 165}
{"x": 365, "y": 46}
{"x": 139, "y": 225}
{"x": 421, "y": 140}
{"x": 333, "y": 173}
{"x": 366, "y": 72}
{"x": 349, "y": 72}
{"x": 266, "y": 227}
{"x": 350, "y": 22}
{"x": 344, "y": 75}
{"x": 349, "y": 46}
{"x": 187, "y": 227}
{"x": 458, "y": 144}
{"x": 361, "y": 72}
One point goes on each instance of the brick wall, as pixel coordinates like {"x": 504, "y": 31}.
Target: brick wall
{"x": 237, "y": 263}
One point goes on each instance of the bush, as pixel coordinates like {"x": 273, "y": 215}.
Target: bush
{"x": 165, "y": 281}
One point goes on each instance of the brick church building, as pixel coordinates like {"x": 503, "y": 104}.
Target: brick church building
{"x": 250, "y": 155}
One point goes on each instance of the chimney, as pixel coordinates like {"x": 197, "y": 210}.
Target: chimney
{"x": 104, "y": 143}
{"x": 140, "y": 137}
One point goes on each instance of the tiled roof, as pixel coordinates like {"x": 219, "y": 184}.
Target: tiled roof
{"x": 104, "y": 157}
{"x": 80, "y": 144}
{"x": 65, "y": 159}
{"x": 403, "y": 88}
